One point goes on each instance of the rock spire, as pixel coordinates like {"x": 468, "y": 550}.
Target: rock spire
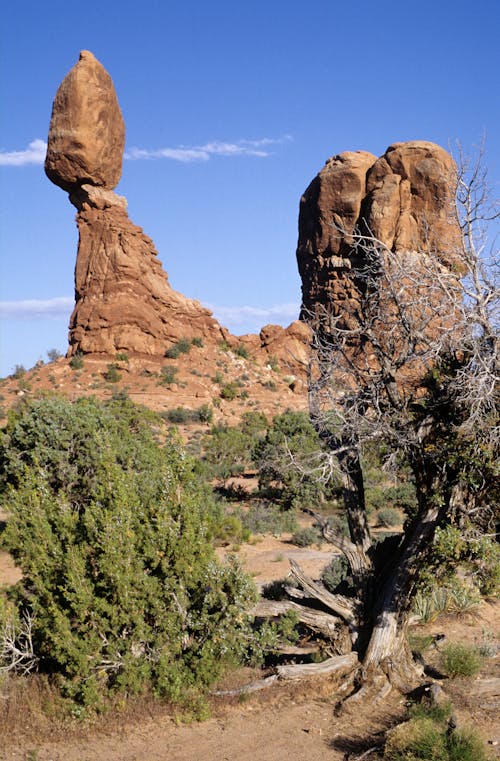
{"x": 405, "y": 199}
{"x": 124, "y": 301}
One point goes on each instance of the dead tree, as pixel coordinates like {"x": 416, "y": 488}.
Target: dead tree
{"x": 410, "y": 362}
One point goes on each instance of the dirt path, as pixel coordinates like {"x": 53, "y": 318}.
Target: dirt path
{"x": 286, "y": 730}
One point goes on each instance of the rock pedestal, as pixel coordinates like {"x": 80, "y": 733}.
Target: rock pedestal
{"x": 124, "y": 301}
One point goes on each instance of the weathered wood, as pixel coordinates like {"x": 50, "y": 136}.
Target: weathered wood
{"x": 355, "y": 554}
{"x": 338, "y": 664}
{"x": 260, "y": 684}
{"x": 324, "y": 623}
{"x": 337, "y": 603}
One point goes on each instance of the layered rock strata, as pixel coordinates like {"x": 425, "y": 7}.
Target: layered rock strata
{"x": 123, "y": 297}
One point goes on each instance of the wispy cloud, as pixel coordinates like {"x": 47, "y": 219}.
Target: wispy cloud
{"x": 255, "y": 317}
{"x": 32, "y": 309}
{"x": 33, "y": 154}
{"x": 36, "y": 150}
{"x": 251, "y": 318}
{"x": 259, "y": 148}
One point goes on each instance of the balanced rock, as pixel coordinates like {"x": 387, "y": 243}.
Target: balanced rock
{"x": 87, "y": 133}
{"x": 404, "y": 199}
{"x": 124, "y": 301}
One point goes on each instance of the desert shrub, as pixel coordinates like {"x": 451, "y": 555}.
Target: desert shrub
{"x": 120, "y": 395}
{"x": 426, "y": 738}
{"x": 218, "y": 378}
{"x": 227, "y": 452}
{"x": 182, "y": 346}
{"x": 19, "y": 371}
{"x": 417, "y": 739}
{"x": 121, "y": 357}
{"x": 271, "y": 385}
{"x": 466, "y": 745}
{"x": 335, "y": 573}
{"x": 168, "y": 375}
{"x": 229, "y": 391}
{"x": 273, "y": 363}
{"x": 304, "y": 537}
{"x": 241, "y": 351}
{"x": 197, "y": 341}
{"x": 112, "y": 533}
{"x": 254, "y": 424}
{"x": 178, "y": 415}
{"x": 224, "y": 346}
{"x": 54, "y": 354}
{"x": 461, "y": 660}
{"x": 205, "y": 413}
{"x": 484, "y": 562}
{"x": 112, "y": 375}
{"x": 478, "y": 558}
{"x": 402, "y": 497}
{"x": 388, "y": 517}
{"x": 266, "y": 518}
{"x": 76, "y": 361}
{"x": 291, "y": 441}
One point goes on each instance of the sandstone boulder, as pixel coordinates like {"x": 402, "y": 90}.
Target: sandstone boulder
{"x": 405, "y": 199}
{"x": 87, "y": 133}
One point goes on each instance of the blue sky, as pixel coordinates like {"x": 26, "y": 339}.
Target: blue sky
{"x": 230, "y": 109}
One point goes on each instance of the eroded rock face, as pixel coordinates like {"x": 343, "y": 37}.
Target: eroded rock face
{"x": 87, "y": 133}
{"x": 405, "y": 199}
{"x": 124, "y": 301}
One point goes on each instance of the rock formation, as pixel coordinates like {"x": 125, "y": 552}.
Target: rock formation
{"x": 124, "y": 301}
{"x": 405, "y": 199}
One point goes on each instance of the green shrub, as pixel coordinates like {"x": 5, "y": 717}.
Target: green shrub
{"x": 227, "y": 452}
{"x": 388, "y": 517}
{"x": 265, "y": 518}
{"x": 197, "y": 341}
{"x": 205, "y": 413}
{"x": 178, "y": 415}
{"x": 466, "y": 745}
{"x": 19, "y": 371}
{"x": 112, "y": 375}
{"x": 335, "y": 573}
{"x": 54, "y": 354}
{"x": 76, "y": 361}
{"x": 121, "y": 357}
{"x": 417, "y": 739}
{"x": 426, "y": 739}
{"x": 112, "y": 534}
{"x": 291, "y": 435}
{"x": 461, "y": 660}
{"x": 241, "y": 351}
{"x": 168, "y": 375}
{"x": 229, "y": 391}
{"x": 304, "y": 537}
{"x": 271, "y": 385}
{"x": 182, "y": 346}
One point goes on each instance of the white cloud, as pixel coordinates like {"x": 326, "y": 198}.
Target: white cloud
{"x": 33, "y": 154}
{"x": 255, "y": 316}
{"x": 37, "y": 149}
{"x": 206, "y": 151}
{"x": 32, "y": 309}
{"x": 231, "y": 316}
